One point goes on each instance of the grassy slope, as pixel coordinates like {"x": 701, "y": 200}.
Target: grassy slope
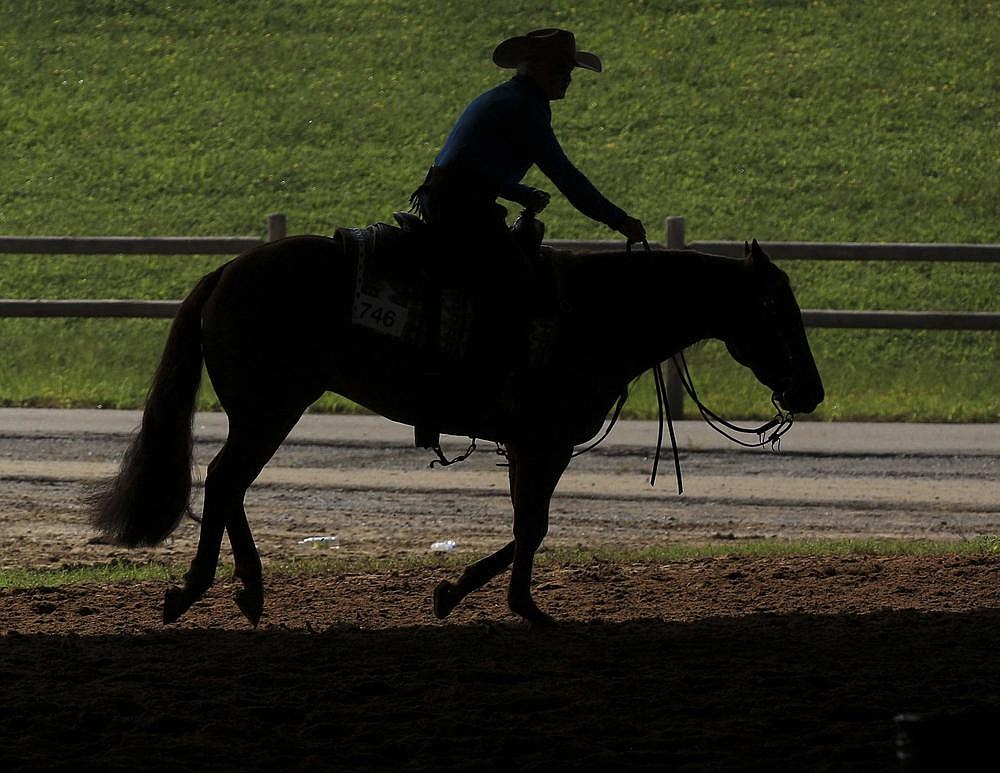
{"x": 780, "y": 120}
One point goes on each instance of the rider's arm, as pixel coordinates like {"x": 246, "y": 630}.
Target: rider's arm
{"x": 573, "y": 183}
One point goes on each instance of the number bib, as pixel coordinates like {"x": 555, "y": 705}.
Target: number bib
{"x": 379, "y": 314}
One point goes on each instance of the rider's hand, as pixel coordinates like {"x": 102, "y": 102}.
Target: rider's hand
{"x": 536, "y": 200}
{"x": 633, "y": 230}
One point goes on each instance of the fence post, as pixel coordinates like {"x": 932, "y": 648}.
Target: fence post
{"x": 676, "y": 240}
{"x": 277, "y": 227}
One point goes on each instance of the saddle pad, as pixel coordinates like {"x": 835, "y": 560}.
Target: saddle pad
{"x": 377, "y": 304}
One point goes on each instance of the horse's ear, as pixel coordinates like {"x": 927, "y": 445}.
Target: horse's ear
{"x": 746, "y": 250}
{"x": 755, "y": 256}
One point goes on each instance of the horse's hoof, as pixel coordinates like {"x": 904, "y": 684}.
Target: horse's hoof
{"x": 531, "y": 614}
{"x": 539, "y": 619}
{"x": 542, "y": 620}
{"x": 446, "y": 598}
{"x": 251, "y": 603}
{"x": 176, "y": 601}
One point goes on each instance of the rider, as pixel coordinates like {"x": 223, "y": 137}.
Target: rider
{"x": 497, "y": 139}
{"x": 499, "y": 136}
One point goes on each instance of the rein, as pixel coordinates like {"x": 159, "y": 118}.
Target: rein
{"x": 778, "y": 426}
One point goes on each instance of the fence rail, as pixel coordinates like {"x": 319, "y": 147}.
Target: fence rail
{"x": 277, "y": 228}
{"x": 127, "y": 245}
{"x": 847, "y": 251}
{"x": 826, "y": 318}
{"x": 86, "y": 308}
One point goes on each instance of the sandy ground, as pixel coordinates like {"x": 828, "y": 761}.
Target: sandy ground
{"x": 730, "y": 663}
{"x": 359, "y": 479}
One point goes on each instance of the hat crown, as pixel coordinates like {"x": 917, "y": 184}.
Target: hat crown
{"x": 554, "y": 37}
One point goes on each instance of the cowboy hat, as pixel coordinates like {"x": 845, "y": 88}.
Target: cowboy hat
{"x": 547, "y": 43}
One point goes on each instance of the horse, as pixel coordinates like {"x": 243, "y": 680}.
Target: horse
{"x": 273, "y": 329}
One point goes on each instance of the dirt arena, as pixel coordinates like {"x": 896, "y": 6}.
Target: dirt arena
{"x": 714, "y": 664}
{"x": 726, "y": 663}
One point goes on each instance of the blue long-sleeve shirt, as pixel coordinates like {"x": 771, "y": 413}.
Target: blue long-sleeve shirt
{"x": 507, "y": 129}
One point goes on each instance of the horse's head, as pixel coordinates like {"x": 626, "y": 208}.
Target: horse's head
{"x": 769, "y": 338}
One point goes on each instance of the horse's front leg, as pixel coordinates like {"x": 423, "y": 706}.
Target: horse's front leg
{"x": 447, "y": 594}
{"x": 537, "y": 473}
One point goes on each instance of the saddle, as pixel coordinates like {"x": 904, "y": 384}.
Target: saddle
{"x": 404, "y": 290}
{"x": 404, "y": 287}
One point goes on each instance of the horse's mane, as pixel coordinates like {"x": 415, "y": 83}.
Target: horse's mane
{"x": 614, "y": 273}
{"x": 637, "y": 256}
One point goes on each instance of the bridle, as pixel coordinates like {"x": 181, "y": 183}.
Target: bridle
{"x": 768, "y": 434}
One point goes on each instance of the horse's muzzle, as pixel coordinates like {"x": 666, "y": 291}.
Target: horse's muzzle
{"x": 800, "y": 400}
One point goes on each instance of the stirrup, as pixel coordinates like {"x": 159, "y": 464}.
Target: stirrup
{"x": 444, "y": 461}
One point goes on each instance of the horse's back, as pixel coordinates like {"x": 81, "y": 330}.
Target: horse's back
{"x": 283, "y": 279}
{"x": 289, "y": 262}
{"x": 278, "y": 311}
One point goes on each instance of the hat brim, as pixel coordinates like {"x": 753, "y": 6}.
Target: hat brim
{"x": 511, "y": 52}
{"x": 588, "y": 61}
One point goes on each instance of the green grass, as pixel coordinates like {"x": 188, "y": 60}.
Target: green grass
{"x": 783, "y": 120}
{"x": 128, "y": 572}
{"x": 114, "y": 572}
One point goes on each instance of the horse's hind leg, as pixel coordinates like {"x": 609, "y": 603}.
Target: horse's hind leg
{"x": 252, "y": 441}
{"x": 246, "y": 565}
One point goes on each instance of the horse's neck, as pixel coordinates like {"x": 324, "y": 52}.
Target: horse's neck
{"x": 650, "y": 306}
{"x": 700, "y": 298}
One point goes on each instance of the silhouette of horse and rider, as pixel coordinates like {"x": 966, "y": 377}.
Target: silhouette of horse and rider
{"x": 283, "y": 323}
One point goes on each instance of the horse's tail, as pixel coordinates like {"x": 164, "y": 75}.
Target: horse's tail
{"x": 144, "y": 503}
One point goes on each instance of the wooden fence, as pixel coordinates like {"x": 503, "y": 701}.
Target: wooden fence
{"x": 675, "y": 239}
{"x": 277, "y": 228}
